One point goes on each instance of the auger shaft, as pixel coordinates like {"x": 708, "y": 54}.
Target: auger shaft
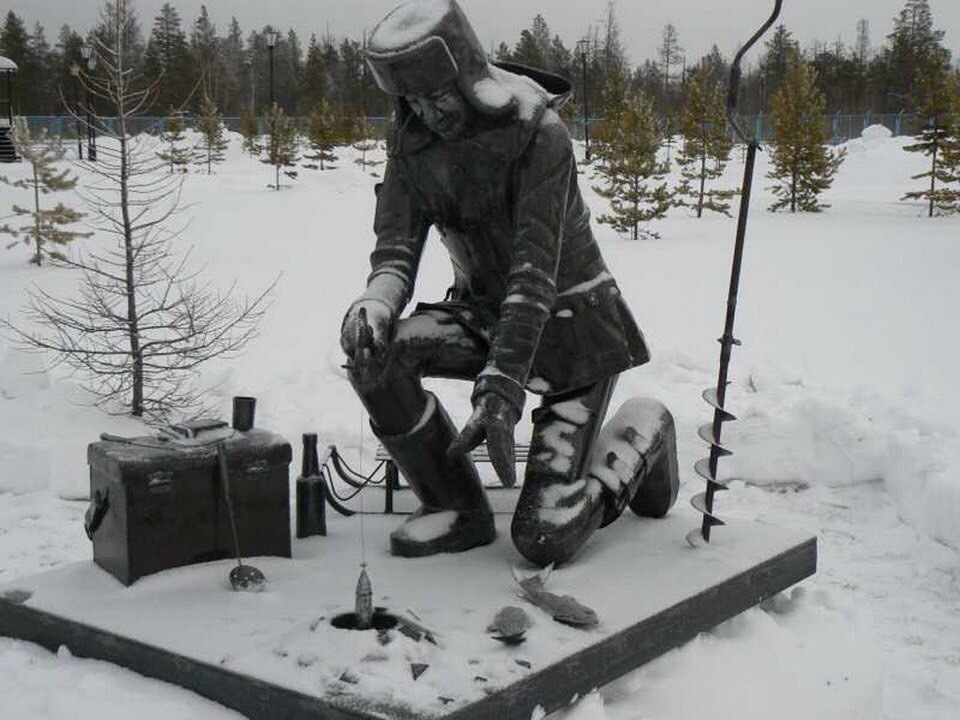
{"x": 728, "y": 341}
{"x": 713, "y": 433}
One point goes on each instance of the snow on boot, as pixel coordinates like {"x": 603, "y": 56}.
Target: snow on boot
{"x": 636, "y": 460}
{"x": 455, "y": 515}
{"x": 559, "y": 507}
{"x": 555, "y": 517}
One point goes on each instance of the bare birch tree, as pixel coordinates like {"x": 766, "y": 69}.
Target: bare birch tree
{"x": 142, "y": 321}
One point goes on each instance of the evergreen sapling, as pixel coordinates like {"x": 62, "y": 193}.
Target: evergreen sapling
{"x": 365, "y": 142}
{"x": 250, "y": 130}
{"x": 628, "y": 142}
{"x": 950, "y": 199}
{"x": 321, "y": 138}
{"x": 176, "y": 153}
{"x": 210, "y": 125}
{"x": 937, "y": 104}
{"x": 283, "y": 146}
{"x": 706, "y": 147}
{"x": 44, "y": 229}
{"x": 803, "y": 166}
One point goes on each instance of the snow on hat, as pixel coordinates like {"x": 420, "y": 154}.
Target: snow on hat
{"x": 424, "y": 44}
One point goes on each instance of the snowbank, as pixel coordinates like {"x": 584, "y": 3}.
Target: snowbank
{"x": 39, "y": 684}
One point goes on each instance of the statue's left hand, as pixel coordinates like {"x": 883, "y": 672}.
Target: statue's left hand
{"x": 493, "y": 419}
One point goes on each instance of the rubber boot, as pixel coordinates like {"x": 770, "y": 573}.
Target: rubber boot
{"x": 636, "y": 460}
{"x": 559, "y": 507}
{"x": 455, "y": 514}
{"x": 658, "y": 488}
{"x": 555, "y": 517}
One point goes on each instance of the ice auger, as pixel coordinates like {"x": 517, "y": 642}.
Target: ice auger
{"x": 711, "y": 433}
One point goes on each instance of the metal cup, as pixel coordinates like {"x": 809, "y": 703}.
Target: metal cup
{"x": 244, "y": 409}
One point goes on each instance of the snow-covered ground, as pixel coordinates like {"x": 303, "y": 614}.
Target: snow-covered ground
{"x": 844, "y": 386}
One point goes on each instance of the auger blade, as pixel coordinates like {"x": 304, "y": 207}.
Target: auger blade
{"x": 706, "y": 434}
{"x": 702, "y": 468}
{"x": 699, "y": 501}
{"x": 710, "y": 398}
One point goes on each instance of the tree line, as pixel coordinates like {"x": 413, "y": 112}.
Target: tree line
{"x": 193, "y": 58}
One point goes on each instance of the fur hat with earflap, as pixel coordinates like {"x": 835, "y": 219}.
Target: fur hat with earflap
{"x": 423, "y": 45}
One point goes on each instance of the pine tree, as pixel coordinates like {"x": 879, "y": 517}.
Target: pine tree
{"x": 345, "y": 126}
{"x": 15, "y": 45}
{"x": 364, "y": 142}
{"x": 232, "y": 88}
{"x": 627, "y": 160}
{"x": 934, "y": 93}
{"x": 207, "y": 54}
{"x": 167, "y": 57}
{"x": 45, "y": 228}
{"x": 321, "y": 138}
{"x": 706, "y": 146}
{"x": 210, "y": 125}
{"x": 314, "y": 76}
{"x": 283, "y": 145}
{"x": 670, "y": 54}
{"x": 533, "y": 48}
{"x": 915, "y": 50}
{"x": 250, "y": 129}
{"x": 803, "y": 165}
{"x": 782, "y": 53}
{"x": 615, "y": 92}
{"x": 176, "y": 153}
{"x": 950, "y": 198}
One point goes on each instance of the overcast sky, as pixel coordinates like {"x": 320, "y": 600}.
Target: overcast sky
{"x": 700, "y": 22}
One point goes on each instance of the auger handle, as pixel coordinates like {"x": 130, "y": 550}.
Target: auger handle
{"x": 736, "y": 73}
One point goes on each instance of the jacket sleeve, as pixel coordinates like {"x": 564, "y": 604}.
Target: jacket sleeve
{"x": 401, "y": 228}
{"x": 545, "y": 173}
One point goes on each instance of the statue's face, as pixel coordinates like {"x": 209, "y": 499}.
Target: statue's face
{"x": 444, "y": 110}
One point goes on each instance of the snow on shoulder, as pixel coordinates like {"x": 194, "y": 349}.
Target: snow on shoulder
{"x": 408, "y": 23}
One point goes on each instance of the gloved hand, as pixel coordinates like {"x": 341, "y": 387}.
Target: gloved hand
{"x": 365, "y": 337}
{"x": 493, "y": 418}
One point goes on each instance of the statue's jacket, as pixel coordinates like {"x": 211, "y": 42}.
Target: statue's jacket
{"x": 528, "y": 274}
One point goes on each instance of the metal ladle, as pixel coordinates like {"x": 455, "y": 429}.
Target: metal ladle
{"x": 242, "y": 577}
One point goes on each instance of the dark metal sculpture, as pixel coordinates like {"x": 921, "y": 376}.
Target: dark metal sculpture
{"x": 715, "y": 397}
{"x": 242, "y": 577}
{"x": 311, "y": 492}
{"x": 480, "y": 153}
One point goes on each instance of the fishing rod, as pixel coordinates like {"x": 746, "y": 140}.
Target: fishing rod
{"x": 711, "y": 433}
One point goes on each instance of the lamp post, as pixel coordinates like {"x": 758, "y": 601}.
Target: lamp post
{"x": 87, "y": 53}
{"x": 272, "y": 37}
{"x": 75, "y": 71}
{"x": 583, "y": 47}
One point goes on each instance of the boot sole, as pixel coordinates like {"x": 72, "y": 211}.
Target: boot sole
{"x": 658, "y": 492}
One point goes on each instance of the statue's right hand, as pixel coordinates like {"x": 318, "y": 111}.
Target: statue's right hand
{"x": 365, "y": 335}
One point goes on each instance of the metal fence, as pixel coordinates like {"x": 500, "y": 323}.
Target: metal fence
{"x": 67, "y": 127}
{"x": 843, "y": 127}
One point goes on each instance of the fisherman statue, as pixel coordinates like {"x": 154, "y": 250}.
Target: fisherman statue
{"x": 479, "y": 152}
